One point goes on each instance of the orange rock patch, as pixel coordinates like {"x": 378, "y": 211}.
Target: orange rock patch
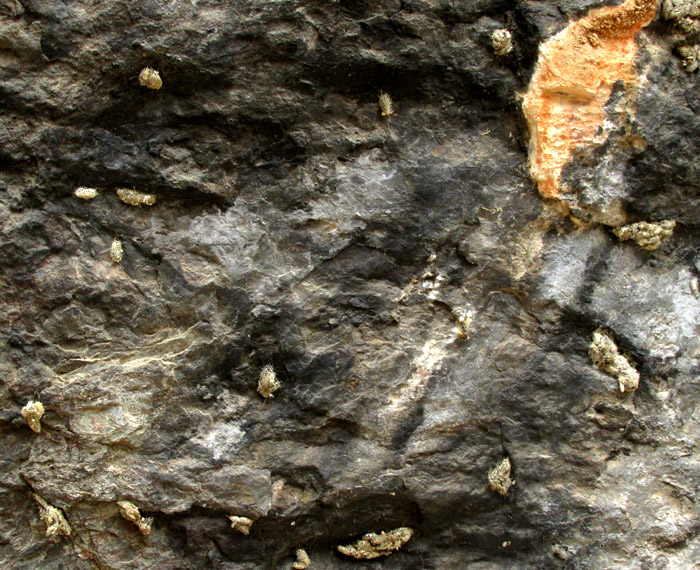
{"x": 565, "y": 102}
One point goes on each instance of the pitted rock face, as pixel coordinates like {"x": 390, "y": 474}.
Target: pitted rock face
{"x": 426, "y": 313}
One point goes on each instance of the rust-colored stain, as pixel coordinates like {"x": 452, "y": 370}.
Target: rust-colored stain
{"x": 573, "y": 80}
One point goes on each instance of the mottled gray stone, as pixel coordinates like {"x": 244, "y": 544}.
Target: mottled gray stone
{"x": 297, "y": 227}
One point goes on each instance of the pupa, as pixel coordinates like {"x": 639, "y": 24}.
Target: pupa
{"x": 116, "y": 251}
{"x": 135, "y": 198}
{"x": 268, "y": 383}
{"x": 150, "y": 78}
{"x": 85, "y": 193}
{"x": 386, "y": 105}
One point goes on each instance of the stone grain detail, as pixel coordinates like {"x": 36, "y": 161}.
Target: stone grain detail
{"x": 426, "y": 311}
{"x": 572, "y": 83}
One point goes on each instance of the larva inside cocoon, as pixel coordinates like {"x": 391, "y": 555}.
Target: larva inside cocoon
{"x": 386, "y": 105}
{"x": 116, "y": 251}
{"x": 135, "y": 198}
{"x": 150, "y": 78}
{"x": 268, "y": 383}
{"x": 85, "y": 193}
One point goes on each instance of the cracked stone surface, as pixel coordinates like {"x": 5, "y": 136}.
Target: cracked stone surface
{"x": 297, "y": 227}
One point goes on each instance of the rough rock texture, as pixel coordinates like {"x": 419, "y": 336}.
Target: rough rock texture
{"x": 575, "y": 75}
{"x": 426, "y": 312}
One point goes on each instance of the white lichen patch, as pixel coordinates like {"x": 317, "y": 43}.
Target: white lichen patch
{"x": 648, "y": 235}
{"x": 116, "y": 251}
{"x": 56, "y": 524}
{"x": 135, "y": 198}
{"x": 130, "y": 512}
{"x": 150, "y": 78}
{"x": 241, "y": 524}
{"x": 268, "y": 383}
{"x": 386, "y": 105}
{"x": 433, "y": 353}
{"x": 374, "y": 545}
{"x": 502, "y": 42}
{"x": 222, "y": 439}
{"x": 303, "y": 561}
{"x": 606, "y": 357}
{"x": 33, "y": 412}
{"x": 499, "y": 477}
{"x": 85, "y": 193}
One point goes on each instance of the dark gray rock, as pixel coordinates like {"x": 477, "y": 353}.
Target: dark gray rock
{"x": 295, "y": 226}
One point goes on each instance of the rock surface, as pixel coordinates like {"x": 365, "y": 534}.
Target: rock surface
{"x": 297, "y": 227}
